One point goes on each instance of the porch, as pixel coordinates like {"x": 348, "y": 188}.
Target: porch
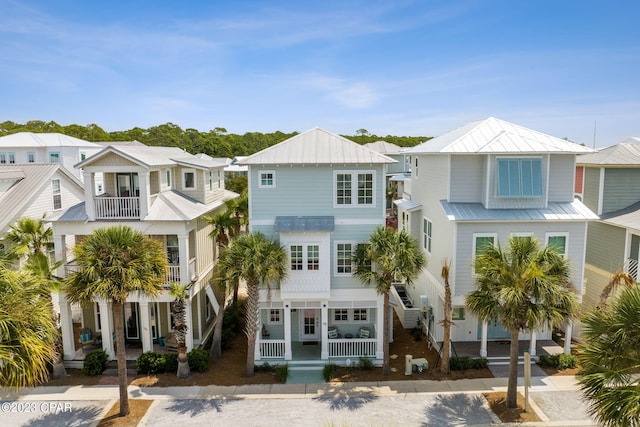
{"x": 339, "y": 349}
{"x": 499, "y": 350}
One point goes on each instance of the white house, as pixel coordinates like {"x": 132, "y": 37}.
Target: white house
{"x": 483, "y": 183}
{"x": 163, "y": 192}
{"x": 319, "y": 195}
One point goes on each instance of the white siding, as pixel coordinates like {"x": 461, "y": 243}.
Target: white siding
{"x": 561, "y": 177}
{"x": 467, "y": 179}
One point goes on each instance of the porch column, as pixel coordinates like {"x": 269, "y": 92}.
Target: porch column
{"x": 532, "y": 343}
{"x": 145, "y": 193}
{"x": 183, "y": 248}
{"x": 199, "y": 315}
{"x": 89, "y": 188}
{"x": 107, "y": 329}
{"x": 567, "y": 337}
{"x": 145, "y": 327}
{"x": 287, "y": 332}
{"x": 66, "y": 324}
{"x": 324, "y": 330}
{"x": 188, "y": 339}
{"x": 380, "y": 328}
{"x": 483, "y": 342}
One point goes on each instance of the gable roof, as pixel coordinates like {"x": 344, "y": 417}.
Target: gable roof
{"x": 149, "y": 157}
{"x": 30, "y": 139}
{"x": 28, "y": 180}
{"x": 492, "y": 135}
{"x": 316, "y": 146}
{"x": 384, "y": 147}
{"x": 628, "y": 217}
{"x": 626, "y": 152}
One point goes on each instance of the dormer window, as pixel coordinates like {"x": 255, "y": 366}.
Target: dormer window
{"x": 189, "y": 179}
{"x": 519, "y": 177}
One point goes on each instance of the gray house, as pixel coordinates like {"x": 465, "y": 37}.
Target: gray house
{"x": 483, "y": 183}
{"x": 611, "y": 187}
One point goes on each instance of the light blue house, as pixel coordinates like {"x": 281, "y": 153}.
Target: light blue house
{"x": 483, "y": 183}
{"x": 319, "y": 195}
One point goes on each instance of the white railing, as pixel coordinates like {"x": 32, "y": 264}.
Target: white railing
{"x": 631, "y": 267}
{"x": 117, "y": 207}
{"x": 354, "y": 347}
{"x": 174, "y": 274}
{"x": 271, "y": 349}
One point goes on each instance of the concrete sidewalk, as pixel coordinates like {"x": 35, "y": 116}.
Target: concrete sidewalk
{"x": 555, "y": 400}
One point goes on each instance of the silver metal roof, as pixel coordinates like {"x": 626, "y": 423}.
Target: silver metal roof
{"x": 30, "y": 139}
{"x": 492, "y": 135}
{"x": 556, "y": 211}
{"x": 304, "y": 223}
{"x": 407, "y": 205}
{"x": 384, "y": 147}
{"x": 28, "y": 182}
{"x": 316, "y": 146}
{"x": 628, "y": 217}
{"x": 120, "y": 143}
{"x": 404, "y": 176}
{"x": 625, "y": 153}
{"x": 148, "y": 156}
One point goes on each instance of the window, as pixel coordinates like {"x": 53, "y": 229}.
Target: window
{"x": 416, "y": 171}
{"x": 208, "y": 312}
{"x": 296, "y": 257}
{"x": 360, "y": 184}
{"x": 558, "y": 242}
{"x": 31, "y": 157}
{"x": 98, "y": 319}
{"x": 313, "y": 257}
{"x": 219, "y": 179}
{"x": 57, "y": 196}
{"x": 83, "y": 155}
{"x": 189, "y": 179}
{"x": 3, "y": 158}
{"x": 267, "y": 179}
{"x": 341, "y": 315}
{"x": 482, "y": 242}
{"x": 168, "y": 177}
{"x": 210, "y": 180}
{"x": 426, "y": 231}
{"x": 54, "y": 157}
{"x": 12, "y": 158}
{"x": 343, "y": 258}
{"x": 519, "y": 177}
{"x": 275, "y": 317}
{"x": 359, "y": 314}
{"x": 457, "y": 313}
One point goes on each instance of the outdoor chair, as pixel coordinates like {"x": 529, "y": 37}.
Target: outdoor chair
{"x": 265, "y": 333}
{"x": 364, "y": 333}
{"x": 86, "y": 337}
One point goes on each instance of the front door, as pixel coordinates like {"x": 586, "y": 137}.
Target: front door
{"x": 495, "y": 331}
{"x": 309, "y": 325}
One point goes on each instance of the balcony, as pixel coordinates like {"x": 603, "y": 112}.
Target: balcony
{"x": 107, "y": 207}
{"x": 631, "y": 267}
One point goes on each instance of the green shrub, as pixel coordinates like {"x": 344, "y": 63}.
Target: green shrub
{"x": 170, "y": 362}
{"x": 232, "y": 323}
{"x": 150, "y": 363}
{"x": 265, "y": 367}
{"x": 465, "y": 362}
{"x": 198, "y": 360}
{"x": 365, "y": 363}
{"x": 95, "y": 362}
{"x": 329, "y": 371}
{"x": 282, "y": 372}
{"x": 559, "y": 361}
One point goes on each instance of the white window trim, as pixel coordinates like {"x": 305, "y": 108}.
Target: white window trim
{"x": 353, "y": 316}
{"x": 354, "y": 188}
{"x": 184, "y": 181}
{"x": 339, "y": 322}
{"x": 59, "y": 156}
{"x": 167, "y": 177}
{"x": 564, "y": 234}
{"x": 473, "y": 248}
{"x": 521, "y": 196}
{"x": 429, "y": 236}
{"x": 280, "y": 315}
{"x": 335, "y": 251}
{"x": 273, "y": 174}
{"x": 55, "y": 193}
{"x": 34, "y": 156}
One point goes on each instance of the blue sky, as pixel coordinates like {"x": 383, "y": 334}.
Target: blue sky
{"x": 392, "y": 67}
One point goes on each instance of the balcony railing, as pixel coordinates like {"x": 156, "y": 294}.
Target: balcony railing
{"x": 354, "y": 347}
{"x": 271, "y": 349}
{"x": 631, "y": 267}
{"x": 117, "y": 207}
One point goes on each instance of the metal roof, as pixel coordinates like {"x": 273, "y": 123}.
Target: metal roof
{"x": 120, "y": 143}
{"x": 28, "y": 182}
{"x": 628, "y": 217}
{"x": 30, "y": 139}
{"x": 492, "y": 135}
{"x": 404, "y": 176}
{"x": 407, "y": 205}
{"x": 304, "y": 223}
{"x": 316, "y": 146}
{"x": 625, "y": 153}
{"x": 556, "y": 211}
{"x": 384, "y": 147}
{"x": 148, "y": 156}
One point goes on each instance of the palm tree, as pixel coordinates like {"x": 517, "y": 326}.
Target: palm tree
{"x": 446, "y": 341}
{"x": 610, "y": 360}
{"x": 525, "y": 288}
{"x": 114, "y": 262}
{"x": 259, "y": 261}
{"x": 180, "y": 293}
{"x": 389, "y": 256}
{"x": 27, "y": 329}
{"x": 29, "y": 236}
{"x": 619, "y": 278}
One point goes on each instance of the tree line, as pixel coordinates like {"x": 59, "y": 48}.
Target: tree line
{"x": 216, "y": 142}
